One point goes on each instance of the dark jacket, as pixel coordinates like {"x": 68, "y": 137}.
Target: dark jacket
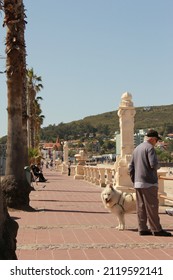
{"x": 144, "y": 164}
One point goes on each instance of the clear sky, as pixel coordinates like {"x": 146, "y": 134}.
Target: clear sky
{"x": 89, "y": 52}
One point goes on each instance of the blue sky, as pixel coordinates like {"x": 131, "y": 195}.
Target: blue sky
{"x": 89, "y": 52}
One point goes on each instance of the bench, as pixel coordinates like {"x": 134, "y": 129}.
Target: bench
{"x": 31, "y": 178}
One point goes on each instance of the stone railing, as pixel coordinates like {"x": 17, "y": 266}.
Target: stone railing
{"x": 165, "y": 180}
{"x": 101, "y": 175}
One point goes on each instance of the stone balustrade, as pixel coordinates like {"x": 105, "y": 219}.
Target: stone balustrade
{"x": 100, "y": 175}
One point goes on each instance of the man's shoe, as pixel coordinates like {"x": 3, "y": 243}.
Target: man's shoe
{"x": 169, "y": 212}
{"x": 145, "y": 232}
{"x": 162, "y": 233}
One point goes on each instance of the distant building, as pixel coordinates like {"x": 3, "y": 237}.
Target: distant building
{"x": 138, "y": 138}
{"x": 50, "y": 148}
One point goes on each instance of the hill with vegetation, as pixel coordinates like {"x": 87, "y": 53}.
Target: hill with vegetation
{"x": 157, "y": 117}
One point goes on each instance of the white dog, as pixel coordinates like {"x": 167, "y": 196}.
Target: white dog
{"x": 119, "y": 203}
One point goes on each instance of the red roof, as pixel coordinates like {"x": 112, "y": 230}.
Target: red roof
{"x": 52, "y": 145}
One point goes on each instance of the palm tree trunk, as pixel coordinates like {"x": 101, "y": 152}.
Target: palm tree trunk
{"x": 24, "y": 93}
{"x": 15, "y": 187}
{"x": 8, "y": 232}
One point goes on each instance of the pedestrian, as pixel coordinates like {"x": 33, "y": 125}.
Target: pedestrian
{"x": 143, "y": 172}
{"x": 51, "y": 164}
{"x": 69, "y": 168}
{"x": 47, "y": 164}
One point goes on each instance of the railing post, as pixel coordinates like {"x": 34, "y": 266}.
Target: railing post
{"x": 102, "y": 177}
{"x": 161, "y": 181}
{"x": 108, "y": 175}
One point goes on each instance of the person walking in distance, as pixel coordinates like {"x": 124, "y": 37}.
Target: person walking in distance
{"x": 69, "y": 168}
{"x": 143, "y": 172}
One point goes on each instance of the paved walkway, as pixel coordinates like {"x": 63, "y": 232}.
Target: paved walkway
{"x": 71, "y": 223}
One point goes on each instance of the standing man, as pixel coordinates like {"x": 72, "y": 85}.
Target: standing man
{"x": 143, "y": 173}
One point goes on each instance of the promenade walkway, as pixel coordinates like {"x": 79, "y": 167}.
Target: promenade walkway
{"x": 71, "y": 223}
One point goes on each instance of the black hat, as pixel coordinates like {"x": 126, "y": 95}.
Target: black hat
{"x": 153, "y": 133}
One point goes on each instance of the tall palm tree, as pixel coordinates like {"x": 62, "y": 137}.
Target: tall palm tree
{"x": 38, "y": 121}
{"x": 34, "y": 85}
{"x": 14, "y": 185}
{"x": 8, "y": 227}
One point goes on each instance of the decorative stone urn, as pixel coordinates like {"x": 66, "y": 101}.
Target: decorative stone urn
{"x": 79, "y": 170}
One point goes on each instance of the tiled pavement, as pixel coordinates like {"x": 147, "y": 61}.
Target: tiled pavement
{"x": 71, "y": 223}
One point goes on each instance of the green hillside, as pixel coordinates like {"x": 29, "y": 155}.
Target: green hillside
{"x": 157, "y": 117}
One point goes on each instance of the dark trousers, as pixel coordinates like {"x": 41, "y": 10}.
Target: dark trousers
{"x": 40, "y": 176}
{"x": 147, "y": 206}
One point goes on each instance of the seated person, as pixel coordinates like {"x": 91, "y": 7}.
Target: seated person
{"x": 38, "y": 173}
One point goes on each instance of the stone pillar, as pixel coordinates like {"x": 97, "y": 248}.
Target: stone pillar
{"x": 79, "y": 171}
{"x": 65, "y": 158}
{"x": 65, "y": 152}
{"x": 126, "y": 115}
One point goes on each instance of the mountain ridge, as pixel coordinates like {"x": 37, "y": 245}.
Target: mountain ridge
{"x": 157, "y": 117}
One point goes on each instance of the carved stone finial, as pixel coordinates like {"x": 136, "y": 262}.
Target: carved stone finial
{"x": 126, "y": 100}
